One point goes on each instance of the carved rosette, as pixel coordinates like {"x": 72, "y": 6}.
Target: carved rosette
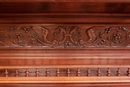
{"x": 65, "y": 37}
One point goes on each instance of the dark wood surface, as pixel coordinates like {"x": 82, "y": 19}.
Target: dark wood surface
{"x": 64, "y": 7}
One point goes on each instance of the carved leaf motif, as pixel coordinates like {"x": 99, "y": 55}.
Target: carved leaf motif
{"x": 21, "y": 36}
{"x": 65, "y": 37}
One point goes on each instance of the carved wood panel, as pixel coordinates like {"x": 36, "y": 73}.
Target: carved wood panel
{"x": 64, "y": 36}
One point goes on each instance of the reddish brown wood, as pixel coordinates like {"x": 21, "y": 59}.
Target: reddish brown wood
{"x": 69, "y": 7}
{"x": 64, "y": 43}
{"x": 123, "y": 1}
{"x": 70, "y": 85}
{"x": 60, "y": 71}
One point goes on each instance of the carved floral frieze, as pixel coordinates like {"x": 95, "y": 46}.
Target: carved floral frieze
{"x": 65, "y": 37}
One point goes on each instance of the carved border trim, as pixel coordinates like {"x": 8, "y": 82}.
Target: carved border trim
{"x": 65, "y": 37}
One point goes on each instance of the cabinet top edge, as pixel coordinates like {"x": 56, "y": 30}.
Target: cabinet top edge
{"x": 123, "y": 1}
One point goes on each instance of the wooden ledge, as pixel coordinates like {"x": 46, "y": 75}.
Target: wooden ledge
{"x": 64, "y": 79}
{"x": 64, "y": 66}
{"x": 64, "y": 53}
{"x": 65, "y": 18}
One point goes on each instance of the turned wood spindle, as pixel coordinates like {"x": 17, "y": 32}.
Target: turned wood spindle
{"x": 108, "y": 72}
{"x": 6, "y": 73}
{"x": 16, "y": 73}
{"x": 57, "y": 72}
{"x": 68, "y": 72}
{"x": 37, "y": 72}
{"x": 99, "y": 72}
{"x": 118, "y": 72}
{"x": 78, "y": 72}
{"x": 128, "y": 72}
{"x": 88, "y": 72}
{"x": 47, "y": 72}
{"x": 26, "y": 73}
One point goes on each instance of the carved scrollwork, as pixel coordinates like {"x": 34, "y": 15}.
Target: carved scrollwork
{"x": 65, "y": 37}
{"x": 25, "y": 36}
{"x": 108, "y": 37}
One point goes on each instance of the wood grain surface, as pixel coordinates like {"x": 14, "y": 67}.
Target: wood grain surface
{"x": 68, "y": 43}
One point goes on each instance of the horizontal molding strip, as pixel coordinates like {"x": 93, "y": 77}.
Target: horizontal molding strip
{"x": 64, "y": 79}
{"x": 64, "y": 53}
{"x": 65, "y": 66}
{"x": 62, "y": 15}
{"x": 68, "y": 18}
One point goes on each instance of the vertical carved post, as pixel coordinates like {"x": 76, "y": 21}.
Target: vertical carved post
{"x": 26, "y": 73}
{"x": 98, "y": 72}
{"x": 68, "y": 72}
{"x": 37, "y": 72}
{"x": 6, "y": 73}
{"x": 78, "y": 72}
{"x": 108, "y": 72}
{"x": 128, "y": 72}
{"x": 16, "y": 73}
{"x": 57, "y": 72}
{"x": 88, "y": 72}
{"x": 47, "y": 72}
{"x": 118, "y": 72}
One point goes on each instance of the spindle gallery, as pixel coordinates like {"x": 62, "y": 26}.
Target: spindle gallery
{"x": 73, "y": 71}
